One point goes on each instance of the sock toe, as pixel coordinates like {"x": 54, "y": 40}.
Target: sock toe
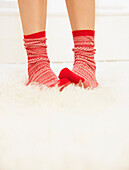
{"x": 74, "y": 78}
{"x": 64, "y": 82}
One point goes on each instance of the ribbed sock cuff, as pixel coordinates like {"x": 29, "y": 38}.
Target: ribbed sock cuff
{"x": 77, "y": 33}
{"x": 35, "y": 35}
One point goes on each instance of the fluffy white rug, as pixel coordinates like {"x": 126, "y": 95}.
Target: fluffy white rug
{"x": 74, "y": 130}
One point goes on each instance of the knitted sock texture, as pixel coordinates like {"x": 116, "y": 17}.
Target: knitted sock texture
{"x": 84, "y": 63}
{"x": 39, "y": 70}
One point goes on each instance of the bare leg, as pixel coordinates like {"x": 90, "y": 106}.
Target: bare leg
{"x": 81, "y": 14}
{"x": 33, "y": 15}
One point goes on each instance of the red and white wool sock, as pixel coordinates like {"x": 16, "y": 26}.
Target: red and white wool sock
{"x": 39, "y": 71}
{"x": 84, "y": 66}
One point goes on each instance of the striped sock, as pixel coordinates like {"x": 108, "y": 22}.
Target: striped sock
{"x": 84, "y": 66}
{"x": 39, "y": 71}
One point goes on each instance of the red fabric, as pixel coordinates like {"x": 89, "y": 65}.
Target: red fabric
{"x": 70, "y": 76}
{"x": 62, "y": 83}
{"x": 83, "y": 33}
{"x": 39, "y": 71}
{"x": 35, "y": 35}
{"x": 84, "y": 66}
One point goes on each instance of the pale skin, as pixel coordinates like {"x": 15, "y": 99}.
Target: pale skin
{"x": 34, "y": 13}
{"x": 81, "y": 14}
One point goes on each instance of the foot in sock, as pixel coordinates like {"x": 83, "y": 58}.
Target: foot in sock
{"x": 84, "y": 66}
{"x": 39, "y": 70}
{"x": 63, "y": 83}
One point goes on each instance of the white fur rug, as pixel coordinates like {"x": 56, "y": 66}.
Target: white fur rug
{"x": 74, "y": 130}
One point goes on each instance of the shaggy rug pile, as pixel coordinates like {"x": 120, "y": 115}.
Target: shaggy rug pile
{"x": 75, "y": 129}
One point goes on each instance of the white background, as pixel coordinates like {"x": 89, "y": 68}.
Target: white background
{"x": 58, "y": 6}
